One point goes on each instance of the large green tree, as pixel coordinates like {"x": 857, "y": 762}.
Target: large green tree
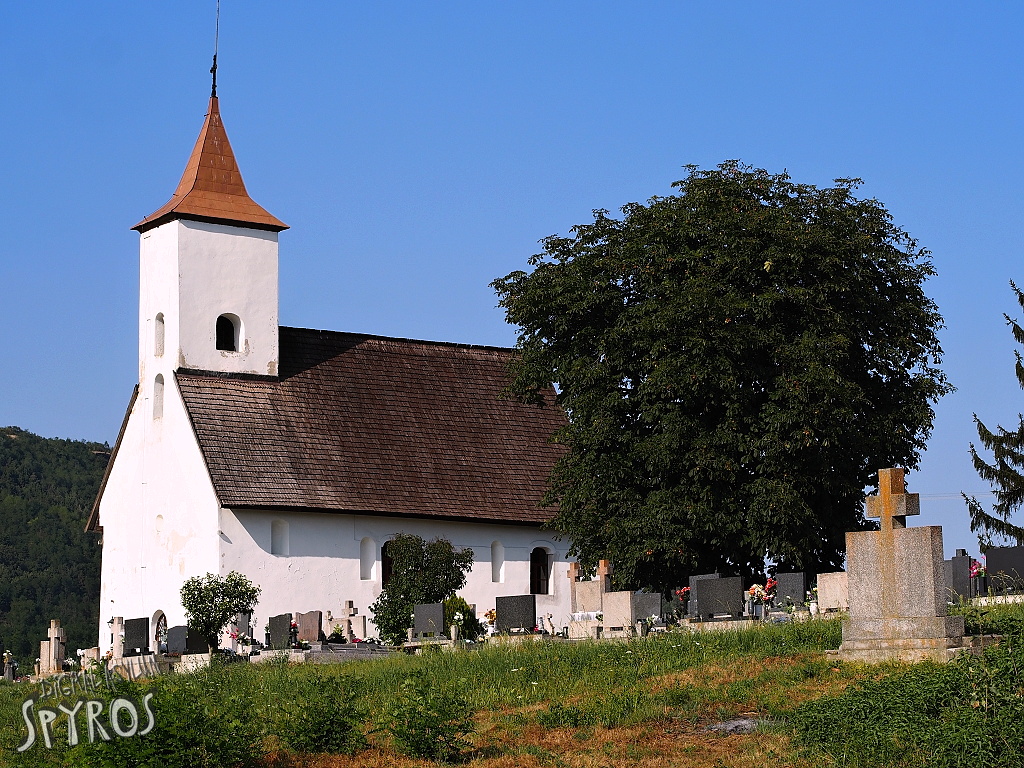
{"x": 1006, "y": 472}
{"x": 736, "y": 361}
{"x": 421, "y": 572}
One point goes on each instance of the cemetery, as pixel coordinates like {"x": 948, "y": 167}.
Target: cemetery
{"x": 898, "y": 601}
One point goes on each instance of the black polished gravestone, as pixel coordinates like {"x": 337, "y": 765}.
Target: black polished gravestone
{"x": 648, "y": 604}
{"x": 281, "y": 631}
{"x": 177, "y": 638}
{"x": 428, "y": 619}
{"x": 136, "y": 637}
{"x": 1005, "y": 567}
{"x": 196, "y": 643}
{"x": 515, "y": 612}
{"x": 242, "y": 622}
{"x": 958, "y": 577}
{"x": 790, "y": 588}
{"x": 711, "y": 597}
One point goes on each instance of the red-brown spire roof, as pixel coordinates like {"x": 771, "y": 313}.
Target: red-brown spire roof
{"x": 211, "y": 189}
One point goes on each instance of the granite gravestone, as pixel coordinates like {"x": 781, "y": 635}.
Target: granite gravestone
{"x": 280, "y": 631}
{"x": 1005, "y": 566}
{"x": 136, "y": 637}
{"x": 310, "y": 626}
{"x": 428, "y": 619}
{"x": 897, "y": 585}
{"x": 176, "y": 640}
{"x": 715, "y": 597}
{"x": 647, "y": 604}
{"x": 515, "y": 612}
{"x": 958, "y": 576}
{"x": 790, "y": 588}
{"x": 195, "y": 642}
{"x": 243, "y": 622}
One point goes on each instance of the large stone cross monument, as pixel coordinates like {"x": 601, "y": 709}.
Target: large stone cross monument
{"x": 897, "y": 584}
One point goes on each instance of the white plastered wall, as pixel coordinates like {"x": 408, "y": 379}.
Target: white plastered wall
{"x": 322, "y": 568}
{"x": 159, "y": 515}
{"x": 193, "y": 273}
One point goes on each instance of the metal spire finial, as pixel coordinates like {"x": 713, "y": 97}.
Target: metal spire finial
{"x": 216, "y": 43}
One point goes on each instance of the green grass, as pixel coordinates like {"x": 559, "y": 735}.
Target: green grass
{"x": 606, "y": 684}
{"x": 968, "y": 713}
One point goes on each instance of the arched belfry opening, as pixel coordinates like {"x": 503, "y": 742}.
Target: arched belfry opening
{"x": 228, "y": 333}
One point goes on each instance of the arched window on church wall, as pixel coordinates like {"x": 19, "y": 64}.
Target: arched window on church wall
{"x": 387, "y": 565}
{"x": 540, "y": 571}
{"x": 367, "y": 558}
{"x": 497, "y": 562}
{"x": 158, "y": 335}
{"x": 229, "y": 333}
{"x": 158, "y": 396}
{"x": 279, "y": 537}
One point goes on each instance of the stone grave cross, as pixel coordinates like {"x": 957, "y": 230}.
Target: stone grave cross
{"x": 604, "y": 575}
{"x": 346, "y": 620}
{"x": 52, "y": 659}
{"x": 891, "y": 506}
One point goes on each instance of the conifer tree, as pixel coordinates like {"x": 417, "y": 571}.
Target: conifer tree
{"x": 1006, "y": 472}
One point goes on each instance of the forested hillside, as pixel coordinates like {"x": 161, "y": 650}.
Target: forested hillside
{"x": 49, "y": 567}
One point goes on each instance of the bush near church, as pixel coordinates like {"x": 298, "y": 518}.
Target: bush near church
{"x": 422, "y": 572}
{"x": 211, "y": 602}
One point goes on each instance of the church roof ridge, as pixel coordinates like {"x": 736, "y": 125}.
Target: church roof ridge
{"x": 211, "y": 188}
{"x": 401, "y": 339}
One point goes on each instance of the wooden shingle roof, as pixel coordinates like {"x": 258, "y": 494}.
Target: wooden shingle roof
{"x": 376, "y": 425}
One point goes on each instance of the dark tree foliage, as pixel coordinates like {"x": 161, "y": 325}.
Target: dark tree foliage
{"x": 49, "y": 567}
{"x": 1006, "y": 472}
{"x": 736, "y": 362}
{"x": 422, "y": 572}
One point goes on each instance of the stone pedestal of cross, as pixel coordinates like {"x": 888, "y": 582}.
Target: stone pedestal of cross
{"x": 896, "y": 584}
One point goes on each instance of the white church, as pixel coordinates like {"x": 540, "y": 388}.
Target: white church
{"x": 293, "y": 455}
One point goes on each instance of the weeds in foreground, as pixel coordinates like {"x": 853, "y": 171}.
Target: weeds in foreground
{"x": 430, "y": 719}
{"x": 969, "y": 712}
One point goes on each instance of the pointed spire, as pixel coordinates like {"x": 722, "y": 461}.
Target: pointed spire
{"x": 211, "y": 189}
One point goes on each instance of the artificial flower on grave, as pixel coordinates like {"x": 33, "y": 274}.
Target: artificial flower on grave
{"x": 978, "y": 568}
{"x": 763, "y": 594}
{"x": 491, "y": 616}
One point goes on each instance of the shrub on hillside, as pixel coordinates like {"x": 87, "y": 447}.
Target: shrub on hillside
{"x": 322, "y": 716}
{"x": 969, "y": 712}
{"x": 430, "y": 718}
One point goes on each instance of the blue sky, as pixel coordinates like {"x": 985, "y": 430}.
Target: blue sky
{"x": 419, "y": 151}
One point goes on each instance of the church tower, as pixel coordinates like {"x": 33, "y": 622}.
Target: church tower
{"x": 209, "y": 272}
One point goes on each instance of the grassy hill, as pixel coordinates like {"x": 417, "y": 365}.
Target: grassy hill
{"x": 49, "y": 567}
{"x": 677, "y": 700}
